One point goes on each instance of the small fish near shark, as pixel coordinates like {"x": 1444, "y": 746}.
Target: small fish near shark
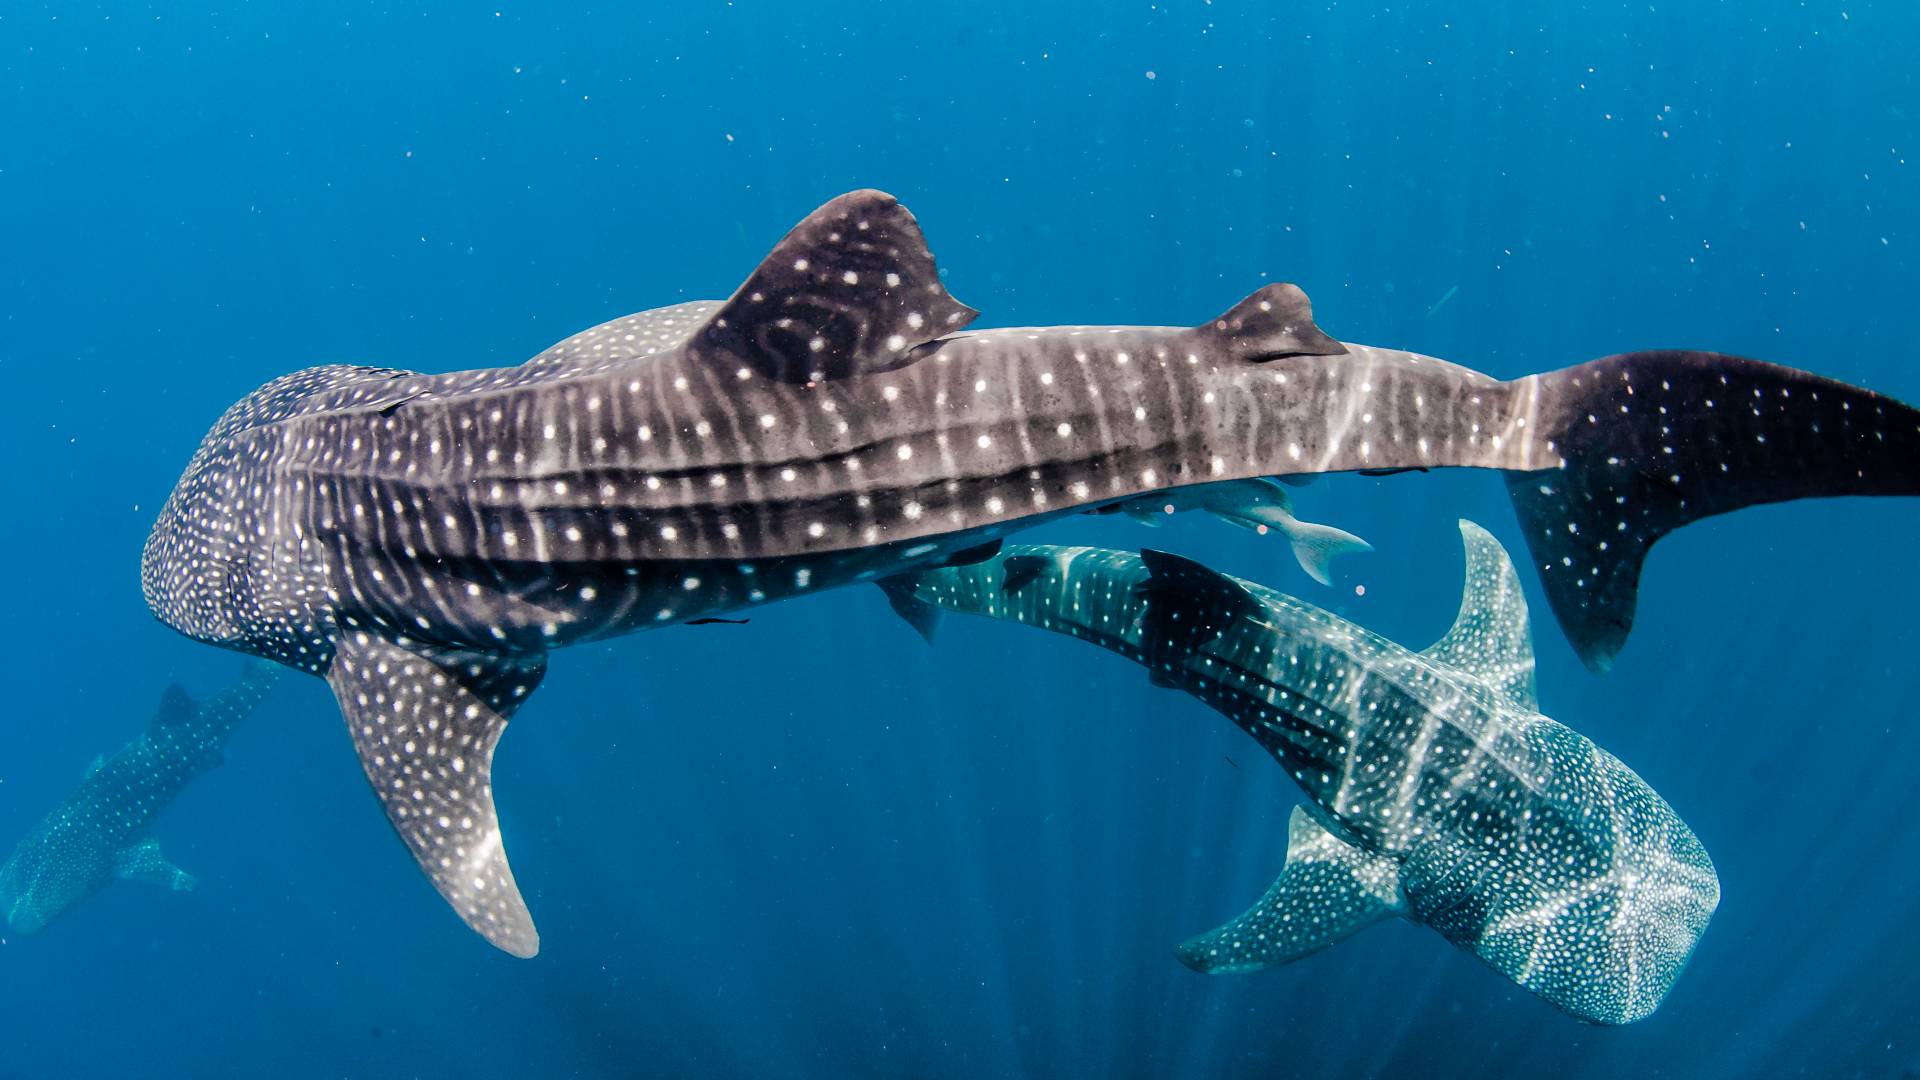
{"x": 1437, "y": 791}
{"x": 423, "y": 542}
{"x": 99, "y": 833}
{"x": 1259, "y": 504}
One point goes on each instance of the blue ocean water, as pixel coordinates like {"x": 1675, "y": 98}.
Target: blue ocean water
{"x": 812, "y": 846}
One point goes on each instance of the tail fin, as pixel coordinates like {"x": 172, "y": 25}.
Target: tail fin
{"x": 1655, "y": 440}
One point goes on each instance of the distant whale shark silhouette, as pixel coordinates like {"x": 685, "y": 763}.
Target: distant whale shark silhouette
{"x": 423, "y": 541}
{"x": 98, "y": 835}
{"x": 1436, "y": 789}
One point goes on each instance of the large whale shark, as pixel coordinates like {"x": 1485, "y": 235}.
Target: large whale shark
{"x": 424, "y": 541}
{"x": 1437, "y": 791}
{"x": 100, "y": 832}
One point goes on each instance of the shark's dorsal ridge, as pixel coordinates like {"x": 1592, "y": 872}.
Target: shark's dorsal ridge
{"x": 1328, "y": 891}
{"x": 425, "y": 722}
{"x": 1490, "y": 637}
{"x": 851, "y": 290}
{"x": 1275, "y": 321}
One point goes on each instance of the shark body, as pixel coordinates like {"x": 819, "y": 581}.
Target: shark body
{"x": 1437, "y": 791}
{"x": 99, "y": 833}
{"x": 424, "y": 541}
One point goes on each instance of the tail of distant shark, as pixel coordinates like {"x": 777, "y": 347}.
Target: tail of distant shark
{"x": 1655, "y": 440}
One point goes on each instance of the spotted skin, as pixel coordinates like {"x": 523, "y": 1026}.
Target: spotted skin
{"x": 99, "y": 833}
{"x": 834, "y": 422}
{"x": 1437, "y": 791}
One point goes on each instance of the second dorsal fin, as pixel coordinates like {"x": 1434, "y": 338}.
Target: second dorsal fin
{"x": 1276, "y": 321}
{"x": 851, "y": 290}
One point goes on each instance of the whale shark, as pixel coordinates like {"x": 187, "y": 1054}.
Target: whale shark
{"x": 1436, "y": 789}
{"x": 424, "y": 541}
{"x": 100, "y": 832}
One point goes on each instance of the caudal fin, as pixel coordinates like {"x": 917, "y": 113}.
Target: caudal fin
{"x": 1655, "y": 440}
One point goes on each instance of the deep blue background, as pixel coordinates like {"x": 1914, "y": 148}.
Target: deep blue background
{"x": 810, "y": 845}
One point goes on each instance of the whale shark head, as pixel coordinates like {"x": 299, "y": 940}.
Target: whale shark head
{"x": 1607, "y": 946}
{"x": 205, "y": 554}
{"x": 51, "y": 871}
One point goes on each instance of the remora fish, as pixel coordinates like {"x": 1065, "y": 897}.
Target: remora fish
{"x": 1259, "y": 505}
{"x": 1437, "y": 791}
{"x": 99, "y": 833}
{"x": 423, "y": 541}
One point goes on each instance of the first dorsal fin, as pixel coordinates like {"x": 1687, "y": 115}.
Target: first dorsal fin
{"x": 1021, "y": 570}
{"x": 1490, "y": 638}
{"x": 1276, "y": 321}
{"x": 425, "y": 722}
{"x": 1189, "y": 604}
{"x": 1329, "y": 890}
{"x": 176, "y": 707}
{"x": 851, "y": 290}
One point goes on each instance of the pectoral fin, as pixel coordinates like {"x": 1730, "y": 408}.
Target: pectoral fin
{"x": 1328, "y": 891}
{"x": 922, "y": 616}
{"x": 144, "y": 862}
{"x": 425, "y": 722}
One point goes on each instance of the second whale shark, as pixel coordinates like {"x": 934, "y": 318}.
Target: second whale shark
{"x": 1436, "y": 789}
{"x": 424, "y": 541}
{"x": 100, "y": 832}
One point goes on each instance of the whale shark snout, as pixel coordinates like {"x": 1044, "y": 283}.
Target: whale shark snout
{"x": 22, "y": 918}
{"x": 21, "y": 894}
